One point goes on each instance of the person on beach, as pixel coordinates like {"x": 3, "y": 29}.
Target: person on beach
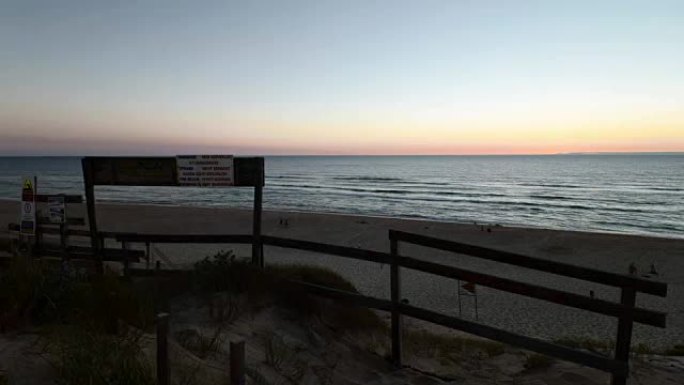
{"x": 632, "y": 269}
{"x": 653, "y": 269}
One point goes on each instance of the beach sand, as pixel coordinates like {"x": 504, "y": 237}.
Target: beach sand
{"x": 609, "y": 252}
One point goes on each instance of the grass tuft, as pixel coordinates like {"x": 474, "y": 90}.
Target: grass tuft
{"x": 677, "y": 350}
{"x": 5, "y": 246}
{"x": 604, "y": 347}
{"x": 41, "y": 292}
{"x": 200, "y": 344}
{"x": 538, "y": 362}
{"x": 224, "y": 273}
{"x": 276, "y": 350}
{"x": 641, "y": 349}
{"x": 89, "y": 357}
{"x": 427, "y": 344}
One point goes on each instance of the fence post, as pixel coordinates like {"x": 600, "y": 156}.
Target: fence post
{"x": 162, "y": 349}
{"x": 624, "y": 333}
{"x": 92, "y": 221}
{"x": 257, "y": 245}
{"x": 161, "y": 301}
{"x": 395, "y": 287}
{"x": 237, "y": 363}
{"x": 124, "y": 247}
{"x": 63, "y": 241}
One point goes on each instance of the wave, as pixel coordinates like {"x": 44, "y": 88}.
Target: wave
{"x": 390, "y": 191}
{"x": 671, "y": 189}
{"x": 650, "y": 226}
{"x": 288, "y": 177}
{"x": 367, "y": 179}
{"x": 535, "y": 206}
{"x": 552, "y": 185}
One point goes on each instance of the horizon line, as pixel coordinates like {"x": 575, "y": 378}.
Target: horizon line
{"x": 371, "y": 155}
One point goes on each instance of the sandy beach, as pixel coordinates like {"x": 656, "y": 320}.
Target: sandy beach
{"x": 610, "y": 252}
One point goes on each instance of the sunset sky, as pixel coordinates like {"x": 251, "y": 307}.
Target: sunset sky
{"x": 340, "y": 77}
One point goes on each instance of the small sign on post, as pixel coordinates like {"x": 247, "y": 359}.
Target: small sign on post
{"x": 28, "y": 206}
{"x": 205, "y": 170}
{"x": 56, "y": 209}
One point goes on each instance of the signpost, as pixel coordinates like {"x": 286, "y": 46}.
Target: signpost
{"x": 28, "y": 206}
{"x": 56, "y": 209}
{"x": 182, "y": 170}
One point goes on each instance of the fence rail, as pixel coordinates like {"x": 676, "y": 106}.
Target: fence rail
{"x": 558, "y": 268}
{"x": 647, "y": 317}
{"x": 626, "y": 311}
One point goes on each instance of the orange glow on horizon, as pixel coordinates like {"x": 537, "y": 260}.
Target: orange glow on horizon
{"x": 547, "y": 132}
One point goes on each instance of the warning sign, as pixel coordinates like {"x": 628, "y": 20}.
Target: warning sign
{"x": 205, "y": 170}
{"x": 56, "y": 209}
{"x": 28, "y": 206}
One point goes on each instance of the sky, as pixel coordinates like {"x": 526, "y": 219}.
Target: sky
{"x": 340, "y": 77}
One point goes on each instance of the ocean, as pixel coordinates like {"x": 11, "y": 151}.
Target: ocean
{"x": 635, "y": 194}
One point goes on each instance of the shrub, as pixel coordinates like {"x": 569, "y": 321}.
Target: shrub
{"x": 641, "y": 349}
{"x": 537, "y": 362}
{"x": 88, "y": 357}
{"x": 223, "y": 272}
{"x": 429, "y": 344}
{"x": 312, "y": 274}
{"x": 6, "y": 246}
{"x": 31, "y": 291}
{"x": 105, "y": 299}
{"x": 275, "y": 349}
{"x": 200, "y": 344}
{"x": 677, "y": 350}
{"x": 591, "y": 344}
{"x": 42, "y": 292}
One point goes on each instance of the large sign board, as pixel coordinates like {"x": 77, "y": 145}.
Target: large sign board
{"x": 205, "y": 170}
{"x": 28, "y": 206}
{"x": 182, "y": 170}
{"x": 140, "y": 171}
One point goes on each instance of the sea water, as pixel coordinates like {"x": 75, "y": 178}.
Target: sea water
{"x": 637, "y": 194}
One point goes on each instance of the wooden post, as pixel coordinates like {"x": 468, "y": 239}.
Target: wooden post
{"x": 37, "y": 236}
{"x": 162, "y": 349}
{"x": 63, "y": 241}
{"x": 395, "y": 287}
{"x": 458, "y": 293}
{"x": 237, "y": 363}
{"x": 624, "y": 334}
{"x": 124, "y": 246}
{"x": 92, "y": 221}
{"x": 112, "y": 323}
{"x": 257, "y": 245}
{"x": 160, "y": 295}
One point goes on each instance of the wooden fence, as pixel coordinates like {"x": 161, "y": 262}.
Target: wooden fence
{"x": 64, "y": 248}
{"x": 626, "y": 311}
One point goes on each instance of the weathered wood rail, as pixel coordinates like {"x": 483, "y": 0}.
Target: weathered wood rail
{"x": 626, "y": 311}
{"x": 63, "y": 249}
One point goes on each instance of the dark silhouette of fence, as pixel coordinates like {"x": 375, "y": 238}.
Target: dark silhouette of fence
{"x": 626, "y": 311}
